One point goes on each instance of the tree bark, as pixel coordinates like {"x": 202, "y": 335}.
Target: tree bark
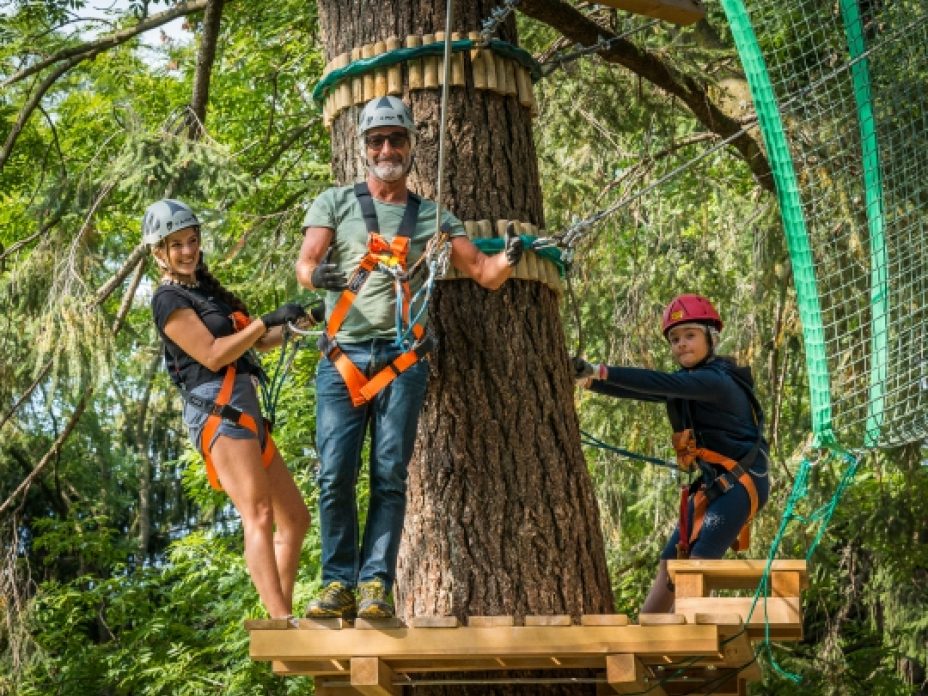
{"x": 502, "y": 517}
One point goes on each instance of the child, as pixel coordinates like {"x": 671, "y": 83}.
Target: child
{"x": 718, "y": 428}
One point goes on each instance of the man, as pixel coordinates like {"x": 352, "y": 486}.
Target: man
{"x": 369, "y": 378}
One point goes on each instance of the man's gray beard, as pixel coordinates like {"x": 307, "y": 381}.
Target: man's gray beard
{"x": 388, "y": 171}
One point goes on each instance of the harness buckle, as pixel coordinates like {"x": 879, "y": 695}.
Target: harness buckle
{"x": 358, "y": 279}
{"x": 326, "y": 344}
{"x": 423, "y": 346}
{"x": 227, "y": 412}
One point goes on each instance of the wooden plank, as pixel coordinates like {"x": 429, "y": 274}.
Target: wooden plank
{"x": 378, "y": 624}
{"x": 490, "y": 621}
{"x": 434, "y": 622}
{"x": 784, "y": 613}
{"x": 324, "y": 624}
{"x": 311, "y": 668}
{"x": 373, "y": 677}
{"x": 627, "y": 675}
{"x": 661, "y": 619}
{"x": 548, "y": 620}
{"x": 326, "y": 668}
{"x": 266, "y": 624}
{"x": 676, "y": 11}
{"x": 603, "y": 620}
{"x": 501, "y": 641}
{"x": 735, "y": 574}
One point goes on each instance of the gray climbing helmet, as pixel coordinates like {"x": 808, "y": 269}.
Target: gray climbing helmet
{"x": 386, "y": 111}
{"x": 164, "y": 217}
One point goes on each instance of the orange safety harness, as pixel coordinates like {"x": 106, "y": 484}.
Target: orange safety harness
{"x": 711, "y": 483}
{"x": 220, "y": 409}
{"x": 389, "y": 256}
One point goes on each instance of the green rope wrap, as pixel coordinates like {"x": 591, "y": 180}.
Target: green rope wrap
{"x": 879, "y": 285}
{"x": 399, "y": 55}
{"x": 494, "y": 245}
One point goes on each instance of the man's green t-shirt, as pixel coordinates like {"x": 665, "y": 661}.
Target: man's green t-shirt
{"x": 373, "y": 313}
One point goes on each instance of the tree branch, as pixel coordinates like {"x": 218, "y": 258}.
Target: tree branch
{"x": 582, "y": 30}
{"x": 206, "y": 55}
{"x": 52, "y": 452}
{"x": 106, "y": 42}
{"x": 135, "y": 261}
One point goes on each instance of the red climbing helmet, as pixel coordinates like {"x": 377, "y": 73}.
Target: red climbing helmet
{"x": 690, "y": 308}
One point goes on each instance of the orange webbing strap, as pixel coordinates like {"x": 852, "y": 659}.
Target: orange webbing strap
{"x": 244, "y": 419}
{"x": 360, "y": 388}
{"x": 701, "y": 500}
{"x": 347, "y": 298}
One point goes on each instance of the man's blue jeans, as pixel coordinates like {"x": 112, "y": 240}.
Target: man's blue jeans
{"x": 341, "y": 427}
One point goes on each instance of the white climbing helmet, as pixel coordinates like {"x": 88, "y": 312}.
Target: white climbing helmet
{"x": 386, "y": 111}
{"x": 164, "y": 217}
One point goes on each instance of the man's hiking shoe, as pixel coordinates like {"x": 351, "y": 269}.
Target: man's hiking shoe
{"x": 335, "y": 601}
{"x": 374, "y": 603}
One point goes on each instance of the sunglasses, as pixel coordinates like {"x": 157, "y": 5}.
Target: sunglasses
{"x": 375, "y": 142}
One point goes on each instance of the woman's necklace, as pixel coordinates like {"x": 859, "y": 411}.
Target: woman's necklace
{"x": 175, "y": 281}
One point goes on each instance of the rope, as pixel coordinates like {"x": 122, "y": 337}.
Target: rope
{"x": 592, "y": 441}
{"x": 821, "y": 515}
{"x": 560, "y": 59}
{"x": 271, "y": 388}
{"x": 399, "y": 55}
{"x": 443, "y": 115}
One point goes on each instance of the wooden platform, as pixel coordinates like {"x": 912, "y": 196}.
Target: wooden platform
{"x": 704, "y": 648}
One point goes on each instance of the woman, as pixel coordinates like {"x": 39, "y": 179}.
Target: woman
{"x": 207, "y": 337}
{"x": 718, "y": 429}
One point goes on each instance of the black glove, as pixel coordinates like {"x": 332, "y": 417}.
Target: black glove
{"x": 326, "y": 276}
{"x": 283, "y": 314}
{"x": 317, "y": 312}
{"x": 514, "y": 246}
{"x": 582, "y": 370}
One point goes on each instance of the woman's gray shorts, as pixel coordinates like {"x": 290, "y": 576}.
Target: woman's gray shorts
{"x": 244, "y": 397}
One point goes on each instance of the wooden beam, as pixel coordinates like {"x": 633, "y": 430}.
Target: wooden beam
{"x": 783, "y": 613}
{"x": 627, "y": 675}
{"x": 548, "y": 620}
{"x": 690, "y": 584}
{"x": 490, "y": 621}
{"x": 603, "y": 620}
{"x": 373, "y": 677}
{"x": 469, "y": 643}
{"x": 736, "y": 648}
{"x": 787, "y": 583}
{"x": 377, "y": 624}
{"x": 434, "y": 622}
{"x": 677, "y": 11}
{"x": 661, "y": 619}
{"x": 736, "y": 573}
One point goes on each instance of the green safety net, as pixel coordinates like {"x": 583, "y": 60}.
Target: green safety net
{"x": 841, "y": 92}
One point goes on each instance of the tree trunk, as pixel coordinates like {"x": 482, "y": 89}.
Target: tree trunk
{"x": 502, "y": 516}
